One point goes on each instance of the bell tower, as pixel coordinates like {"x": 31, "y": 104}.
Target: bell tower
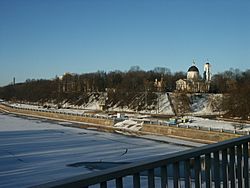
{"x": 207, "y": 72}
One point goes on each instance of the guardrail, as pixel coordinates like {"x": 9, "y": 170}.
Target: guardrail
{"x": 187, "y": 126}
{"x": 59, "y": 112}
{"x": 221, "y": 164}
{"x": 235, "y": 131}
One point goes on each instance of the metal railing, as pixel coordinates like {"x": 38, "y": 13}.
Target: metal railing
{"x": 223, "y": 164}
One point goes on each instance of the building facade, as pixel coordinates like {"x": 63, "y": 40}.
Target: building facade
{"x": 193, "y": 83}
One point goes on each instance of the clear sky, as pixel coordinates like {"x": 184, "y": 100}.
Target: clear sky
{"x": 45, "y": 38}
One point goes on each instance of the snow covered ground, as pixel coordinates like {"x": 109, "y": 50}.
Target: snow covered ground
{"x": 216, "y": 124}
{"x": 34, "y": 151}
{"x": 129, "y": 125}
{"x": 205, "y": 104}
{"x": 36, "y": 107}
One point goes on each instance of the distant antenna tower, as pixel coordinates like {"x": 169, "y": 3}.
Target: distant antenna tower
{"x": 14, "y": 81}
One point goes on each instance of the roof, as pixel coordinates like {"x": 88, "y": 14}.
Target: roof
{"x": 193, "y": 68}
{"x": 181, "y": 80}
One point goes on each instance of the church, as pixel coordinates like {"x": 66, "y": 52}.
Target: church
{"x": 194, "y": 83}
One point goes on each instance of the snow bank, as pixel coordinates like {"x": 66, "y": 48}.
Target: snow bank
{"x": 216, "y": 124}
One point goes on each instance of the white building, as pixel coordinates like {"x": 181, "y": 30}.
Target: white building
{"x": 194, "y": 83}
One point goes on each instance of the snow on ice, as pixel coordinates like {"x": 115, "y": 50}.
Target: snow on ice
{"x": 35, "y": 151}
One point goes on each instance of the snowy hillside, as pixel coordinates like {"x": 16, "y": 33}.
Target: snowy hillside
{"x": 164, "y": 103}
{"x": 205, "y": 104}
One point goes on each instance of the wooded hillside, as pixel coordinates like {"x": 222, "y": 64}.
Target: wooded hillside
{"x": 122, "y": 87}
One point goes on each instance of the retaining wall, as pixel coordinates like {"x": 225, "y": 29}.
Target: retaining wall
{"x": 63, "y": 116}
{"x": 195, "y": 135}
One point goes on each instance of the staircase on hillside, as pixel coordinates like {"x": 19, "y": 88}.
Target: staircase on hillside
{"x": 164, "y": 105}
{"x": 181, "y": 103}
{"x": 171, "y": 104}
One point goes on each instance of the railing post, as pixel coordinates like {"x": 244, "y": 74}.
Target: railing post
{"x": 225, "y": 168}
{"x": 136, "y": 180}
{"x": 164, "y": 177}
{"x": 187, "y": 173}
{"x": 232, "y": 167}
{"x": 197, "y": 169}
{"x": 119, "y": 182}
{"x": 103, "y": 184}
{"x": 216, "y": 164}
{"x": 246, "y": 164}
{"x": 208, "y": 170}
{"x": 151, "y": 178}
{"x": 176, "y": 174}
{"x": 239, "y": 165}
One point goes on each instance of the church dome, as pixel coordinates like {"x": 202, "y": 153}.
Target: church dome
{"x": 193, "y": 68}
{"x": 193, "y": 73}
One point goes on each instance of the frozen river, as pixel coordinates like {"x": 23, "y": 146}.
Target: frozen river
{"x": 35, "y": 151}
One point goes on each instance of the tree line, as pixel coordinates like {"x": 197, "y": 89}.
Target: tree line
{"x": 121, "y": 86}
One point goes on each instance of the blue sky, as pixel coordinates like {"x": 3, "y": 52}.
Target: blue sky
{"x": 45, "y": 38}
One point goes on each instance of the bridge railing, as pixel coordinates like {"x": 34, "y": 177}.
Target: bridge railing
{"x": 223, "y": 164}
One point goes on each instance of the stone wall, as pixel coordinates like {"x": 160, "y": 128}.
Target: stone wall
{"x": 189, "y": 134}
{"x": 90, "y": 120}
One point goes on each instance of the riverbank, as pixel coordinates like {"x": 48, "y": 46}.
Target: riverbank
{"x": 106, "y": 124}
